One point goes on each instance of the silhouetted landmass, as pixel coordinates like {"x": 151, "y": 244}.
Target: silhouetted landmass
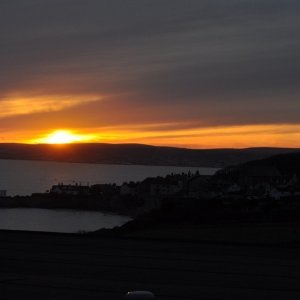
{"x": 264, "y": 191}
{"x": 285, "y": 163}
{"x": 136, "y": 154}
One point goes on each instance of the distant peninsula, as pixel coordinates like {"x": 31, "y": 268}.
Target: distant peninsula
{"x": 136, "y": 154}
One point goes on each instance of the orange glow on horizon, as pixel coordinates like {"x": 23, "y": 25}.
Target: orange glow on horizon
{"x": 62, "y": 137}
{"x": 276, "y": 135}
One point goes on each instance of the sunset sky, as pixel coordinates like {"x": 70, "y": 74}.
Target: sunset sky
{"x": 197, "y": 74}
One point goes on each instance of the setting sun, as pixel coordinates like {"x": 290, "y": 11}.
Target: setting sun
{"x": 63, "y": 137}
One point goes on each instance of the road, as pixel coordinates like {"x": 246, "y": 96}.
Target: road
{"x": 59, "y": 266}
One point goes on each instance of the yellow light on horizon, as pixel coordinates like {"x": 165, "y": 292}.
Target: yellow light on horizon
{"x": 63, "y": 137}
{"x": 270, "y": 135}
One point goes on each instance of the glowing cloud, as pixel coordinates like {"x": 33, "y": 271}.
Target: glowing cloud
{"x": 13, "y": 106}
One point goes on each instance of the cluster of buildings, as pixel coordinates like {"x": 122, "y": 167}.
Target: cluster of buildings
{"x": 255, "y": 182}
{"x": 152, "y": 186}
{"x": 143, "y": 196}
{"x": 229, "y": 185}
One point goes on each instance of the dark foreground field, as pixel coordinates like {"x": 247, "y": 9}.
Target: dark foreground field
{"x": 54, "y": 266}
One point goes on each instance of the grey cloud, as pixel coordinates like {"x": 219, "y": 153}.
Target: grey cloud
{"x": 213, "y": 56}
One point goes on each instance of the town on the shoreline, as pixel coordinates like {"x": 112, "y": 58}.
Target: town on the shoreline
{"x": 243, "y": 189}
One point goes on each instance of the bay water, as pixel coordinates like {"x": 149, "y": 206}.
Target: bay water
{"x": 20, "y": 177}
{"x": 52, "y": 220}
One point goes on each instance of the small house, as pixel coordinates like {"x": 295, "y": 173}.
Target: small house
{"x": 69, "y": 189}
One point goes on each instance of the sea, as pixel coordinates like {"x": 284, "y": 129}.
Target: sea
{"x": 24, "y": 177}
{"x": 21, "y": 177}
{"x": 57, "y": 220}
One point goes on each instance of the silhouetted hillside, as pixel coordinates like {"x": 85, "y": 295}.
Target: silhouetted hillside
{"x": 285, "y": 163}
{"x": 136, "y": 154}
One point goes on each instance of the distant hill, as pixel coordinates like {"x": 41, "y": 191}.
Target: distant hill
{"x": 285, "y": 163}
{"x": 136, "y": 154}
